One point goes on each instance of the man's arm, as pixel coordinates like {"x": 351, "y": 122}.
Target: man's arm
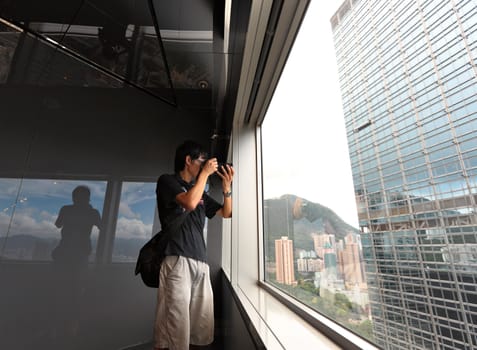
{"x": 226, "y": 210}
{"x": 97, "y": 220}
{"x": 190, "y": 199}
{"x": 59, "y": 219}
{"x": 226, "y": 174}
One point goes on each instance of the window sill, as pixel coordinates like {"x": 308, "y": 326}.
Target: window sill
{"x": 283, "y": 323}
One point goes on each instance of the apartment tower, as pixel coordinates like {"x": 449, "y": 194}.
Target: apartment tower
{"x": 284, "y": 261}
{"x": 351, "y": 262}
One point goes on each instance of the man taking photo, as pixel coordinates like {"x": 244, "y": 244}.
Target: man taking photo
{"x": 185, "y": 310}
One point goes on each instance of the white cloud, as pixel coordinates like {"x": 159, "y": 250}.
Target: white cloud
{"x": 48, "y": 188}
{"x": 4, "y": 222}
{"x": 25, "y": 223}
{"x": 135, "y": 192}
{"x": 45, "y": 215}
{"x": 125, "y": 210}
{"x": 133, "y": 228}
{"x": 9, "y": 189}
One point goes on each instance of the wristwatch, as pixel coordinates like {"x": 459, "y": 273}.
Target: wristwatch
{"x": 227, "y": 194}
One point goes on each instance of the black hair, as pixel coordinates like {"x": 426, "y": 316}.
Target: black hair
{"x": 187, "y": 148}
{"x": 81, "y": 195}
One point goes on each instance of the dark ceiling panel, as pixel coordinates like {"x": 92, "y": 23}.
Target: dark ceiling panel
{"x": 173, "y": 15}
{"x": 185, "y": 14}
{"x": 41, "y": 11}
{"x": 120, "y": 37}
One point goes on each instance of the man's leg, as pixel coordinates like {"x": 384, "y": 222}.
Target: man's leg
{"x": 172, "y": 328}
{"x": 201, "y": 305}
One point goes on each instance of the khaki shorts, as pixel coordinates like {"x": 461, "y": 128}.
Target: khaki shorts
{"x": 185, "y": 307}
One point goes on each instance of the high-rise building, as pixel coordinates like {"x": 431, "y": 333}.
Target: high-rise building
{"x": 284, "y": 261}
{"x": 320, "y": 241}
{"x": 407, "y": 71}
{"x": 352, "y": 268}
{"x": 330, "y": 259}
{"x": 302, "y": 265}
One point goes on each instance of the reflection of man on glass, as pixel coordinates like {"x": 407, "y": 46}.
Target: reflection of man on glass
{"x": 76, "y": 222}
{"x": 185, "y": 303}
{"x": 71, "y": 262}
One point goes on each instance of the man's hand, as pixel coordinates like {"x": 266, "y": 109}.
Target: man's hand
{"x": 226, "y": 173}
{"x": 210, "y": 166}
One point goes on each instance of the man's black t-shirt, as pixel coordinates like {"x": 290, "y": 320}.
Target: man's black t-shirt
{"x": 188, "y": 241}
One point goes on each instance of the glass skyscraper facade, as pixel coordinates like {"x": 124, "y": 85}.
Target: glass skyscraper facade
{"x": 408, "y": 75}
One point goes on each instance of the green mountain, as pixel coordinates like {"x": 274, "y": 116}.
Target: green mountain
{"x": 299, "y": 218}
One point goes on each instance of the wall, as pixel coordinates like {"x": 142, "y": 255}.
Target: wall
{"x": 72, "y": 132}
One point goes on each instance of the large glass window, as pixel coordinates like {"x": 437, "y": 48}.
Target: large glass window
{"x": 406, "y": 278}
{"x": 36, "y": 214}
{"x": 136, "y": 220}
{"x": 312, "y": 243}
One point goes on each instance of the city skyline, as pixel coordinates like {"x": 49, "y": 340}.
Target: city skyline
{"x": 325, "y": 256}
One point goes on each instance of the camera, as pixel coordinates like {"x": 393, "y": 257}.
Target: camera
{"x": 220, "y": 165}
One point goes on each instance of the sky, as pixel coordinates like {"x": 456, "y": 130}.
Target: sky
{"x": 305, "y": 151}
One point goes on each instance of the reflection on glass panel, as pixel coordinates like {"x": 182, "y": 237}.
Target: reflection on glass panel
{"x": 191, "y": 69}
{"x": 86, "y": 41}
{"x": 151, "y": 70}
{"x": 189, "y": 46}
{"x": 8, "y": 196}
{"x": 8, "y": 42}
{"x": 136, "y": 220}
{"x": 121, "y": 39}
{"x": 107, "y": 40}
{"x": 124, "y": 40}
{"x": 39, "y": 63}
{"x": 42, "y": 219}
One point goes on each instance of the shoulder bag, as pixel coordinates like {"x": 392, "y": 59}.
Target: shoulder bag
{"x": 151, "y": 255}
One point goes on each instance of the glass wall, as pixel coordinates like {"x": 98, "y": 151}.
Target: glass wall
{"x": 312, "y": 243}
{"x": 410, "y": 123}
{"x": 137, "y": 220}
{"x": 67, "y": 144}
{"x": 402, "y": 273}
{"x": 37, "y": 214}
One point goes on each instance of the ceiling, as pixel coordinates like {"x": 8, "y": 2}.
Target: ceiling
{"x": 160, "y": 46}
{"x": 187, "y": 53}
